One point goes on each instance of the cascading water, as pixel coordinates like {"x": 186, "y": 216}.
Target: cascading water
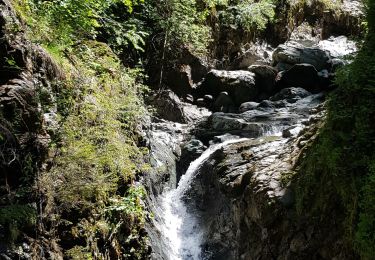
{"x": 180, "y": 231}
{"x": 179, "y": 227}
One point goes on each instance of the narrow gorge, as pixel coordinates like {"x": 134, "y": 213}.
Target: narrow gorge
{"x": 187, "y": 129}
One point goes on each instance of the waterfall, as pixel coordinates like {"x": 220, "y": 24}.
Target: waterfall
{"x": 179, "y": 227}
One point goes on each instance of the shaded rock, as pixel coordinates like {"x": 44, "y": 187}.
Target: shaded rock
{"x": 187, "y": 70}
{"x": 265, "y": 77}
{"x": 301, "y": 76}
{"x": 248, "y": 106}
{"x": 223, "y": 103}
{"x": 168, "y": 106}
{"x": 346, "y": 20}
{"x": 189, "y": 152}
{"x": 240, "y": 85}
{"x": 209, "y": 100}
{"x": 294, "y": 53}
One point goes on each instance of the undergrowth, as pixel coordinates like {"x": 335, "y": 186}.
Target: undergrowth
{"x": 89, "y": 198}
{"x": 338, "y": 173}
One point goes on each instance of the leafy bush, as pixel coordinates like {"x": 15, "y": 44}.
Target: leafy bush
{"x": 249, "y": 15}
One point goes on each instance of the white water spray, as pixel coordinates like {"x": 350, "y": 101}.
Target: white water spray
{"x": 180, "y": 229}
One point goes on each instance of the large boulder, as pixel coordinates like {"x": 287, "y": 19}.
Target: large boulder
{"x": 256, "y": 54}
{"x": 292, "y": 53}
{"x": 240, "y": 85}
{"x": 265, "y": 78}
{"x": 300, "y": 76}
{"x": 168, "y": 106}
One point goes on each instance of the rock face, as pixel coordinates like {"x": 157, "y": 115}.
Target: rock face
{"x": 245, "y": 203}
{"x": 26, "y": 73}
{"x": 27, "y": 76}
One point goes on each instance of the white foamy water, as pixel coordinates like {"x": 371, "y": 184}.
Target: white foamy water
{"x": 180, "y": 228}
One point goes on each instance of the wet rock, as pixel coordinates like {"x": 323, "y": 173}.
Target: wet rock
{"x": 240, "y": 198}
{"x": 267, "y": 118}
{"x": 292, "y": 53}
{"x": 267, "y": 104}
{"x": 240, "y": 85}
{"x": 290, "y": 95}
{"x": 248, "y": 106}
{"x": 223, "y": 138}
{"x": 189, "y": 152}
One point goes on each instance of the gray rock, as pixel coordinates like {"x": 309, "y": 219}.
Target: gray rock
{"x": 294, "y": 53}
{"x": 291, "y": 95}
{"x": 168, "y": 106}
{"x": 248, "y": 106}
{"x": 259, "y": 54}
{"x": 240, "y": 85}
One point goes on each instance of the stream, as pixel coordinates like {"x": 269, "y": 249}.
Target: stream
{"x": 220, "y": 207}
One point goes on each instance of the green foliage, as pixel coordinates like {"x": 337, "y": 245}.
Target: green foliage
{"x": 183, "y": 23}
{"x": 96, "y": 158}
{"x": 64, "y": 23}
{"x": 88, "y": 187}
{"x": 338, "y": 172}
{"x": 15, "y": 218}
{"x": 249, "y": 15}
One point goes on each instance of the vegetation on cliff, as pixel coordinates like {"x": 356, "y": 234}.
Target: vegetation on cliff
{"x": 338, "y": 174}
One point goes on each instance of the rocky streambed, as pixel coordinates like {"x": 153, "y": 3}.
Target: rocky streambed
{"x": 221, "y": 182}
